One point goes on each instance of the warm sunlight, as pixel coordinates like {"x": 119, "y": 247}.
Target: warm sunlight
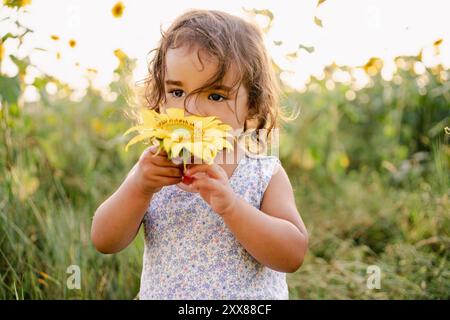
{"x": 88, "y": 32}
{"x": 300, "y": 151}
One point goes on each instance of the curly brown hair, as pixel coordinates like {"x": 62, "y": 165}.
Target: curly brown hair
{"x": 233, "y": 41}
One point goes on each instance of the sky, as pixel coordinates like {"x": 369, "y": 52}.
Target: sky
{"x": 352, "y": 32}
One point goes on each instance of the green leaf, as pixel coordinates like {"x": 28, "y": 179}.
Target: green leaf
{"x": 264, "y": 12}
{"x": 40, "y": 83}
{"x": 292, "y": 55}
{"x": 318, "y": 22}
{"x": 9, "y": 89}
{"x": 308, "y": 49}
{"x": 276, "y": 67}
{"x": 21, "y": 64}
{"x": 7, "y": 36}
{"x": 14, "y": 110}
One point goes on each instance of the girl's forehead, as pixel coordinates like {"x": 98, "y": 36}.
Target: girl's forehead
{"x": 192, "y": 68}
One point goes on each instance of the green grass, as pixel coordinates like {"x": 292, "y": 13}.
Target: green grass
{"x": 357, "y": 222}
{"x": 370, "y": 173}
{"x": 362, "y": 221}
{"x": 365, "y": 190}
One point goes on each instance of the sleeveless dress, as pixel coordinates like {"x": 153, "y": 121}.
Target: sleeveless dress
{"x": 191, "y": 254}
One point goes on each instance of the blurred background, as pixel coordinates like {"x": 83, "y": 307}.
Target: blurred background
{"x": 368, "y": 156}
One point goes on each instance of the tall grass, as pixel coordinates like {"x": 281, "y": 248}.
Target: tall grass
{"x": 358, "y": 222}
{"x": 369, "y": 167}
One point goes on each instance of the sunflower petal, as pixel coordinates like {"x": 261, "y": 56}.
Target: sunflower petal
{"x": 213, "y": 152}
{"x": 135, "y": 128}
{"x": 160, "y": 147}
{"x": 220, "y": 144}
{"x": 177, "y": 147}
{"x": 197, "y": 149}
{"x": 207, "y": 155}
{"x": 228, "y": 145}
{"x": 175, "y": 112}
{"x": 225, "y": 127}
{"x": 150, "y": 118}
{"x": 161, "y": 133}
{"x": 138, "y": 138}
{"x": 167, "y": 143}
{"x": 208, "y": 121}
{"x": 216, "y": 133}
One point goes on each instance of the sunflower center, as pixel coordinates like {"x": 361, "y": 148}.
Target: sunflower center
{"x": 175, "y": 122}
{"x": 182, "y": 130}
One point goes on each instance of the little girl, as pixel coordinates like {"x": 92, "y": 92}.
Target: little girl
{"x": 240, "y": 233}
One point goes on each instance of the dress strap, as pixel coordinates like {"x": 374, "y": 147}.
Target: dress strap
{"x": 269, "y": 166}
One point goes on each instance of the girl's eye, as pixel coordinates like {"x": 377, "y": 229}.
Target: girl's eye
{"x": 177, "y": 93}
{"x": 216, "y": 97}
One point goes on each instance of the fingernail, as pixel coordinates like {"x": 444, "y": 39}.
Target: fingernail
{"x": 187, "y": 180}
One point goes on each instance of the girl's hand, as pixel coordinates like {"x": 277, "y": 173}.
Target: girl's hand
{"x": 152, "y": 172}
{"x": 213, "y": 187}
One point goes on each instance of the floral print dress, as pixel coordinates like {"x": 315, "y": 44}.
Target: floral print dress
{"x": 191, "y": 254}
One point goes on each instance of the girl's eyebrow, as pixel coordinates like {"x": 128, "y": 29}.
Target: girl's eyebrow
{"x": 175, "y": 83}
{"x": 221, "y": 87}
{"x": 214, "y": 87}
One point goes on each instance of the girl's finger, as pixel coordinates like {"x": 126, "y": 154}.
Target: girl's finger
{"x": 147, "y": 152}
{"x": 154, "y": 150}
{"x": 212, "y": 170}
{"x": 199, "y": 184}
{"x": 169, "y": 180}
{"x": 168, "y": 172}
{"x": 206, "y": 183}
{"x": 162, "y": 161}
{"x": 158, "y": 159}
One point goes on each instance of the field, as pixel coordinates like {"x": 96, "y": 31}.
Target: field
{"x": 369, "y": 166}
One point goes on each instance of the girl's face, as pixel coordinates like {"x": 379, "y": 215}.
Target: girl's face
{"x": 185, "y": 73}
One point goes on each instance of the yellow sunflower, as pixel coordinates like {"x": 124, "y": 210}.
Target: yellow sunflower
{"x": 16, "y": 3}
{"x": 182, "y": 137}
{"x": 117, "y": 10}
